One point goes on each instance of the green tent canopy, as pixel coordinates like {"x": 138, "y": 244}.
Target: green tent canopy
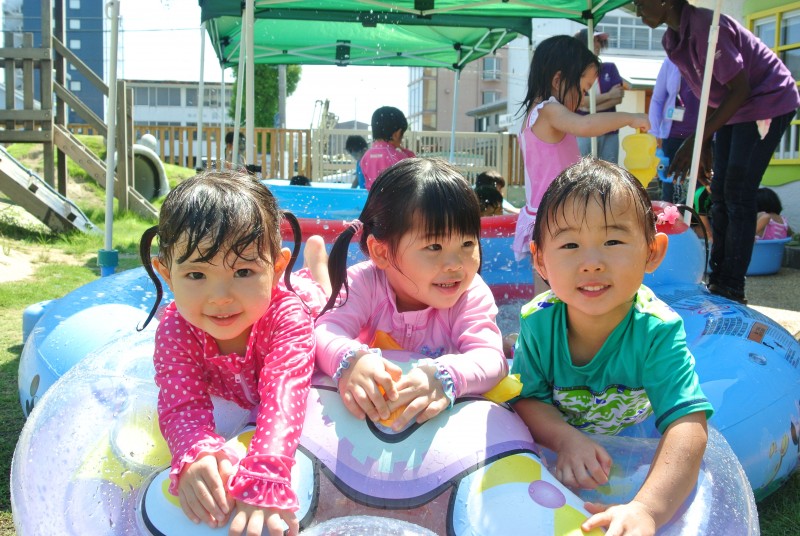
{"x": 428, "y": 33}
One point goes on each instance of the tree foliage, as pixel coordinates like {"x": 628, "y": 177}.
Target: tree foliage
{"x": 266, "y": 93}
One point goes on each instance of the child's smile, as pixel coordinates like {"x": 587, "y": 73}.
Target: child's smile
{"x": 432, "y": 272}
{"x": 595, "y": 259}
{"x": 222, "y": 300}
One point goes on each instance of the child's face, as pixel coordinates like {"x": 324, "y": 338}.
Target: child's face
{"x": 573, "y": 97}
{"x": 224, "y": 301}
{"x": 428, "y": 271}
{"x": 595, "y": 260}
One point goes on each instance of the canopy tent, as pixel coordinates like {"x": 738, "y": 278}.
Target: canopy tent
{"x": 427, "y": 33}
{"x": 422, "y": 33}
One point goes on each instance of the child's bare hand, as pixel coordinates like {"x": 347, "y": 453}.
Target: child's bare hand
{"x": 202, "y": 492}
{"x": 421, "y": 394}
{"x": 641, "y": 122}
{"x": 360, "y": 386}
{"x": 632, "y": 519}
{"x": 250, "y": 520}
{"x": 582, "y": 463}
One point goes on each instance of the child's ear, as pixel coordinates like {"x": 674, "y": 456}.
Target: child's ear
{"x": 658, "y": 249}
{"x": 281, "y": 261}
{"x": 162, "y": 270}
{"x": 378, "y": 252}
{"x": 538, "y": 262}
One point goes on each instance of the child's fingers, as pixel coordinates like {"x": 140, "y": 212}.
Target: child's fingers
{"x": 239, "y": 523}
{"x": 375, "y": 404}
{"x": 292, "y": 522}
{"x": 352, "y": 406}
{"x": 192, "y": 507}
{"x": 394, "y": 371}
{"x": 601, "y": 519}
{"x": 387, "y": 384}
{"x": 433, "y": 409}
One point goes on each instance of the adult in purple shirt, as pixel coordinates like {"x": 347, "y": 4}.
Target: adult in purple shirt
{"x": 609, "y": 91}
{"x": 752, "y": 101}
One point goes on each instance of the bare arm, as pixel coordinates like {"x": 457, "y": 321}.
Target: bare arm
{"x": 672, "y": 477}
{"x": 558, "y": 120}
{"x": 761, "y": 223}
{"x": 581, "y": 462}
{"x": 739, "y": 91}
{"x": 604, "y": 101}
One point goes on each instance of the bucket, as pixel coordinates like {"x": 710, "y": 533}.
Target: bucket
{"x": 767, "y": 256}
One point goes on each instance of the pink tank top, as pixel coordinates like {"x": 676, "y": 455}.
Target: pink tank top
{"x": 543, "y": 163}
{"x": 775, "y": 230}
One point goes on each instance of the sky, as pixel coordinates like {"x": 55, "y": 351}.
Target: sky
{"x": 163, "y": 43}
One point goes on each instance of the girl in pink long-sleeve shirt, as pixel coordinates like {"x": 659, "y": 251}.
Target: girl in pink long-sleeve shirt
{"x": 420, "y": 227}
{"x": 236, "y": 332}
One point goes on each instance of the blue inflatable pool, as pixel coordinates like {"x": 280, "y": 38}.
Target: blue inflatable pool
{"x": 747, "y": 364}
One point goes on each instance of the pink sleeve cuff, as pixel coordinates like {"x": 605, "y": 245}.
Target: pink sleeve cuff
{"x": 266, "y": 492}
{"x": 212, "y": 445}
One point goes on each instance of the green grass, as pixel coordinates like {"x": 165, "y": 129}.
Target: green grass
{"x": 779, "y": 514}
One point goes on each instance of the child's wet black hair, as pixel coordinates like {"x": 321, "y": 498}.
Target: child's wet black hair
{"x": 768, "y": 201}
{"x": 387, "y": 120}
{"x": 592, "y": 181}
{"x": 217, "y": 212}
{"x": 560, "y": 53}
{"x": 424, "y": 192}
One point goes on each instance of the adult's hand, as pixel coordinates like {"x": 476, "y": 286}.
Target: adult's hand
{"x": 681, "y": 163}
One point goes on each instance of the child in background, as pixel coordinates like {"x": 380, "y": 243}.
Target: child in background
{"x": 562, "y": 70}
{"x": 600, "y": 352}
{"x": 300, "y": 180}
{"x": 388, "y": 127}
{"x": 493, "y": 179}
{"x": 420, "y": 288}
{"x": 229, "y": 151}
{"x": 235, "y": 332}
{"x": 356, "y": 146}
{"x": 770, "y": 224}
{"x": 489, "y": 200}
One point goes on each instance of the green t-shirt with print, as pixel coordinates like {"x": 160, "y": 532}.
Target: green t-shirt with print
{"x": 643, "y": 367}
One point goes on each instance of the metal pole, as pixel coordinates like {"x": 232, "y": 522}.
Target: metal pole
{"x": 250, "y": 76}
{"x": 592, "y": 93}
{"x": 108, "y": 258}
{"x": 237, "y": 114}
{"x": 703, "y": 110}
{"x": 453, "y": 123}
{"x": 201, "y": 95}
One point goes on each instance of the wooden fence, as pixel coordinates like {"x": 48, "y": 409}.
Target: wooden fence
{"x": 320, "y": 154}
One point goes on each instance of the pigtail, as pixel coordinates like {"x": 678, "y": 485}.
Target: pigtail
{"x": 145, "y": 244}
{"x": 337, "y": 266}
{"x": 297, "y": 234}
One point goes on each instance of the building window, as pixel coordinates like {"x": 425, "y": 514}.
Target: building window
{"x": 630, "y": 33}
{"x": 74, "y": 24}
{"x": 74, "y": 4}
{"x": 191, "y": 96}
{"x": 779, "y": 29}
{"x": 211, "y": 97}
{"x": 488, "y": 97}
{"x": 74, "y": 44}
{"x": 140, "y": 96}
{"x": 174, "y": 96}
{"x": 75, "y": 85}
{"x": 481, "y": 124}
{"x": 491, "y": 68}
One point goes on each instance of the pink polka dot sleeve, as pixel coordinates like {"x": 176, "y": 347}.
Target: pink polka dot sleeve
{"x": 264, "y": 475}
{"x": 184, "y": 404}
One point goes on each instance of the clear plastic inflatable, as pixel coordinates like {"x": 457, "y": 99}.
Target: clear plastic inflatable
{"x": 91, "y": 461}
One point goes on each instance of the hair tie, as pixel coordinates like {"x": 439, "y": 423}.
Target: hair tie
{"x": 356, "y": 225}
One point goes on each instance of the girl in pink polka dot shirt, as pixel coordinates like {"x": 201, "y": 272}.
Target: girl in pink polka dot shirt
{"x": 236, "y": 332}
